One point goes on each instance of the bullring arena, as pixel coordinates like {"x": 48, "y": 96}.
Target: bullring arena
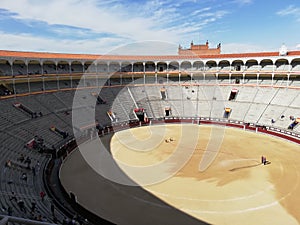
{"x": 235, "y": 187}
{"x": 197, "y": 125}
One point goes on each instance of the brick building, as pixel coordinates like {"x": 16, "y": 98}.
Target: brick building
{"x": 200, "y": 50}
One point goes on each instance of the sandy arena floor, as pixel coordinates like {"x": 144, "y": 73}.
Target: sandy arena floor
{"x": 219, "y": 185}
{"x": 235, "y": 188}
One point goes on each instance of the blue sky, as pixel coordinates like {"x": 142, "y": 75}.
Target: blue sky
{"x": 99, "y": 26}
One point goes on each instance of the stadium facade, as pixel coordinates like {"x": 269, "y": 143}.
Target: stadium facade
{"x": 253, "y": 91}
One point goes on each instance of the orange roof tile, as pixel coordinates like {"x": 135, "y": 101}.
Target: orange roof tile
{"x": 53, "y": 56}
{"x": 46, "y": 55}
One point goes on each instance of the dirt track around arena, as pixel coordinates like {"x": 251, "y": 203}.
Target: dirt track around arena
{"x": 234, "y": 188}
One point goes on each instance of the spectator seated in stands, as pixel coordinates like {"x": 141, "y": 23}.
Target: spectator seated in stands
{"x": 33, "y": 206}
{"x": 21, "y": 158}
{"x": 28, "y": 162}
{"x": 13, "y": 196}
{"x": 8, "y": 164}
{"x": 21, "y": 205}
{"x": 34, "y": 115}
{"x": 293, "y": 125}
{"x": 24, "y": 177}
{"x": 9, "y": 211}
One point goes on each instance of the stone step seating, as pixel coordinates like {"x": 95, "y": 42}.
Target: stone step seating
{"x": 66, "y": 97}
{"x": 11, "y": 113}
{"x": 27, "y": 191}
{"x": 33, "y": 104}
{"x": 140, "y": 97}
{"x": 50, "y": 102}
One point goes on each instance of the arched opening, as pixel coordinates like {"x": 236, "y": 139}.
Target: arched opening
{"x": 138, "y": 67}
{"x": 224, "y": 65}
{"x": 150, "y": 70}
{"x": 76, "y": 67}
{"x": 89, "y": 67}
{"x": 267, "y": 68}
{"x": 185, "y": 66}
{"x": 34, "y": 67}
{"x": 173, "y": 66}
{"x": 295, "y": 65}
{"x": 211, "y": 66}
{"x": 49, "y": 67}
{"x": 114, "y": 67}
{"x": 63, "y": 67}
{"x": 198, "y": 66}
{"x": 237, "y": 65}
{"x": 282, "y": 65}
{"x": 19, "y": 68}
{"x": 126, "y": 76}
{"x": 161, "y": 66}
{"x": 102, "y": 67}
{"x": 252, "y": 65}
{"x": 5, "y": 68}
{"x": 267, "y": 65}
{"x": 126, "y": 67}
{"x": 150, "y": 67}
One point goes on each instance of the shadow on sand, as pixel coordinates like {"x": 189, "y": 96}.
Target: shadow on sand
{"x": 245, "y": 167}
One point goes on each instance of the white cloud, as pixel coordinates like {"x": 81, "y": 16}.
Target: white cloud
{"x": 154, "y": 20}
{"x": 135, "y": 22}
{"x": 290, "y": 10}
{"x": 67, "y": 31}
{"x": 200, "y": 11}
{"x": 27, "y": 42}
{"x": 87, "y": 15}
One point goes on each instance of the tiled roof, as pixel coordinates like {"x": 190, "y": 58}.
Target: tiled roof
{"x": 46, "y": 55}
{"x": 92, "y": 57}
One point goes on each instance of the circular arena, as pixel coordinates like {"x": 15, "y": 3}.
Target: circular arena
{"x": 235, "y": 187}
{"x": 149, "y": 139}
